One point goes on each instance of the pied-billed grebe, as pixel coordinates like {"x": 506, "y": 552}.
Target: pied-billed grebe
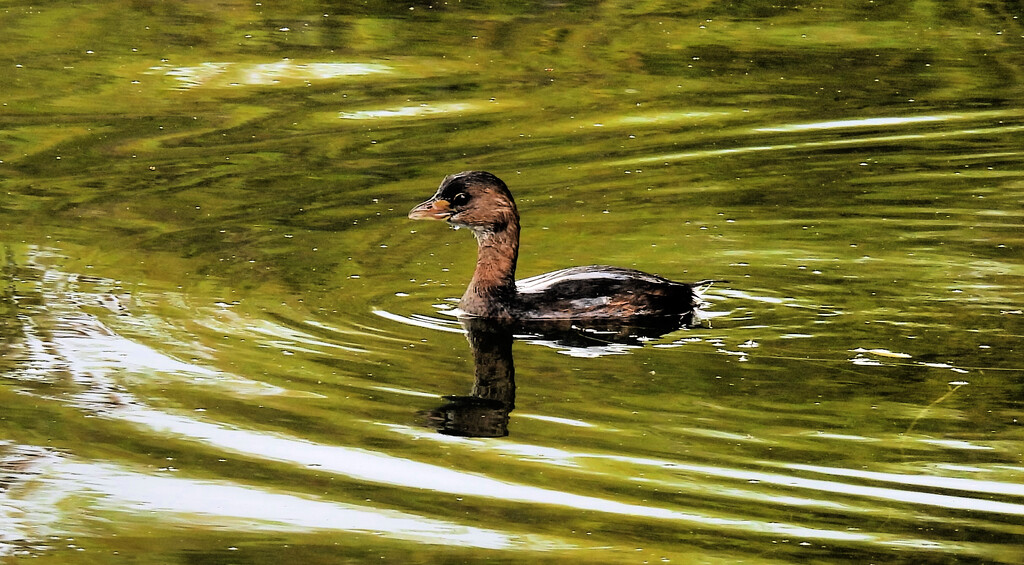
{"x": 481, "y": 202}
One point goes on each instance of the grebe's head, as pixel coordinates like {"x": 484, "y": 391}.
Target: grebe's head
{"x": 474, "y": 199}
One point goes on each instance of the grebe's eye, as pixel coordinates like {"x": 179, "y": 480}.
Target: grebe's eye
{"x": 460, "y": 199}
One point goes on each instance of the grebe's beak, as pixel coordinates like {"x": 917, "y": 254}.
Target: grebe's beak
{"x": 433, "y": 209}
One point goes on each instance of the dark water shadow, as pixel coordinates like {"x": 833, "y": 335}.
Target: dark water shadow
{"x": 485, "y": 411}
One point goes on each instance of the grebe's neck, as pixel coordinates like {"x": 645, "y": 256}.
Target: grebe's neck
{"x": 493, "y": 288}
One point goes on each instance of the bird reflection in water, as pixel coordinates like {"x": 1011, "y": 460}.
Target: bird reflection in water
{"x": 485, "y": 411}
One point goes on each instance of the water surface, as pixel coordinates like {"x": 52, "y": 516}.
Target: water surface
{"x": 221, "y": 340}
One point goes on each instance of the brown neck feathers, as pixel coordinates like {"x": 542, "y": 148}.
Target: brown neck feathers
{"x": 493, "y": 287}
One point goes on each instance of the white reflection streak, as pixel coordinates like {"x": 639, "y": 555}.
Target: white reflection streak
{"x": 556, "y": 420}
{"x": 405, "y": 112}
{"x": 379, "y": 468}
{"x": 591, "y": 352}
{"x": 568, "y": 458}
{"x": 816, "y": 144}
{"x": 913, "y": 497}
{"x": 195, "y": 76}
{"x": 956, "y": 483}
{"x": 95, "y": 352}
{"x": 276, "y": 334}
{"x": 940, "y": 500}
{"x": 218, "y": 502}
{"x": 740, "y": 294}
{"x": 421, "y": 322}
{"x": 955, "y": 443}
{"x": 664, "y": 117}
{"x": 865, "y": 122}
{"x": 266, "y": 73}
{"x": 99, "y": 353}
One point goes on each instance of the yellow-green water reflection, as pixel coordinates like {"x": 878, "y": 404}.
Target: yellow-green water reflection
{"x": 221, "y": 340}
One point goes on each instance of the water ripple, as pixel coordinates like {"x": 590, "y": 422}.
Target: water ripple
{"x": 849, "y": 141}
{"x": 887, "y": 121}
{"x": 222, "y": 74}
{"x": 223, "y": 504}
